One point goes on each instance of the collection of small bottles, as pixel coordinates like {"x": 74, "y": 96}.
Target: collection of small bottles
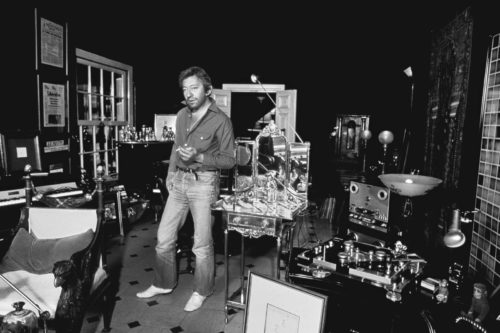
{"x": 129, "y": 133}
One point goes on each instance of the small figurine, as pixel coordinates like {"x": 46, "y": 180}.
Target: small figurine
{"x": 164, "y": 135}
{"x": 479, "y": 307}
{"x": 442, "y": 291}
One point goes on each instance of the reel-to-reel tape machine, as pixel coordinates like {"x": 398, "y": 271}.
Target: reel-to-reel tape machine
{"x": 368, "y": 215}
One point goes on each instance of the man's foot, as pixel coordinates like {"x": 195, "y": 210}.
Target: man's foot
{"x": 195, "y": 302}
{"x": 153, "y": 291}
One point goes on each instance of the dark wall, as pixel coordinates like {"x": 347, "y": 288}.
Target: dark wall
{"x": 346, "y": 61}
{"x": 18, "y": 84}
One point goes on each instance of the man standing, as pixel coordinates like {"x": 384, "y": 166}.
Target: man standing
{"x": 204, "y": 143}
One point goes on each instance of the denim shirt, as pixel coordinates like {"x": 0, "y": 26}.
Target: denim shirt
{"x": 212, "y": 136}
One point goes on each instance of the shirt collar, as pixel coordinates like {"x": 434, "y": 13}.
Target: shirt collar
{"x": 211, "y": 107}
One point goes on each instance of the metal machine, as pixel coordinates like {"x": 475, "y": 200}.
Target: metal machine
{"x": 270, "y": 189}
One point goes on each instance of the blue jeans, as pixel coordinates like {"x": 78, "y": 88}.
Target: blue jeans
{"x": 195, "y": 195}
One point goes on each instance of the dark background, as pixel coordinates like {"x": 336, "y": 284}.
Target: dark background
{"x": 341, "y": 59}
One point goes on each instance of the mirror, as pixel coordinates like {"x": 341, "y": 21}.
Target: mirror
{"x": 244, "y": 166}
{"x": 299, "y": 168}
{"x": 271, "y": 165}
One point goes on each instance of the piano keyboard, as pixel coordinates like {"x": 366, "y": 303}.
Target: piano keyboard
{"x": 17, "y": 196}
{"x": 10, "y": 202}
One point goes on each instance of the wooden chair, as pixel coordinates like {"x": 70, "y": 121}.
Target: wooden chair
{"x": 55, "y": 260}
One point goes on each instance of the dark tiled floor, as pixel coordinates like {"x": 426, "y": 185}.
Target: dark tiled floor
{"x": 133, "y": 255}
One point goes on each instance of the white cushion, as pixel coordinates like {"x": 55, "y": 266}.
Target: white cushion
{"x": 47, "y": 223}
{"x": 38, "y": 287}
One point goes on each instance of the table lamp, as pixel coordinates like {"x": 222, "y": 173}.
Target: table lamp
{"x": 365, "y": 136}
{"x": 385, "y": 138}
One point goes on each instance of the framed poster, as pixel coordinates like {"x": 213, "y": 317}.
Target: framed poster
{"x": 274, "y": 306}
{"x": 51, "y": 43}
{"x": 54, "y": 105}
{"x": 164, "y": 120}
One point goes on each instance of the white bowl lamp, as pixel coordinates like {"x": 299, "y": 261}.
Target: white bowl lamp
{"x": 408, "y": 185}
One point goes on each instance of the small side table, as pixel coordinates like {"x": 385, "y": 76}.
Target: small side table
{"x": 250, "y": 225}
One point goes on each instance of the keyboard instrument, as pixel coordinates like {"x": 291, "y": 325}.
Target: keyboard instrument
{"x": 17, "y": 196}
{"x": 12, "y": 197}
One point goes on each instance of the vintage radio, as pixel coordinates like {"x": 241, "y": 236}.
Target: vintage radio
{"x": 368, "y": 219}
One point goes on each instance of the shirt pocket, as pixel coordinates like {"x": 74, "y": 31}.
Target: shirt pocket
{"x": 202, "y": 140}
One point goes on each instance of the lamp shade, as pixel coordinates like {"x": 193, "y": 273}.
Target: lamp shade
{"x": 408, "y": 71}
{"x": 366, "y": 134}
{"x": 385, "y": 137}
{"x": 409, "y": 185}
{"x": 454, "y": 237}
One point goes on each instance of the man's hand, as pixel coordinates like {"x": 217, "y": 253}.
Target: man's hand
{"x": 169, "y": 183}
{"x": 189, "y": 154}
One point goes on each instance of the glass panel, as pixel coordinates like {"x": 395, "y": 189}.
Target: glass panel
{"x": 83, "y": 106}
{"x": 82, "y": 77}
{"x": 112, "y": 162}
{"x": 95, "y": 76}
{"x": 100, "y": 137}
{"x": 106, "y": 82}
{"x": 87, "y": 139}
{"x": 120, "y": 109}
{"x": 110, "y": 137}
{"x": 96, "y": 107}
{"x": 108, "y": 104}
{"x": 299, "y": 167}
{"x": 119, "y": 85}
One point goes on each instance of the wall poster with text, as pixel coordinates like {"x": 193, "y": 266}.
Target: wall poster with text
{"x": 54, "y": 105}
{"x": 51, "y": 43}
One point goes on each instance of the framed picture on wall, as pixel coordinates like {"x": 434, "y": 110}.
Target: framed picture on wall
{"x": 279, "y": 307}
{"x": 162, "y": 120}
{"x": 51, "y": 43}
{"x": 54, "y": 105}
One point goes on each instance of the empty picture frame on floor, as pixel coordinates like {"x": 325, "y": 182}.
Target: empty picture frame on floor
{"x": 280, "y": 307}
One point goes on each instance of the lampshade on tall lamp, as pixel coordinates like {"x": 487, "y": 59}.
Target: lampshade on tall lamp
{"x": 385, "y": 138}
{"x": 454, "y": 237}
{"x": 406, "y": 135}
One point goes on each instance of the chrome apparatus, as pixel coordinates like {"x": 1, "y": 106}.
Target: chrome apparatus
{"x": 271, "y": 176}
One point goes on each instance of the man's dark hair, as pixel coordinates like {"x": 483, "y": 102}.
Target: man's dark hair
{"x": 200, "y": 73}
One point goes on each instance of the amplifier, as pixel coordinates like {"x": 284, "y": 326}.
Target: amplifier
{"x": 368, "y": 217}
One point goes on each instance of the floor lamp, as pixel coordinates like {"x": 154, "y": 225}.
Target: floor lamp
{"x": 406, "y": 135}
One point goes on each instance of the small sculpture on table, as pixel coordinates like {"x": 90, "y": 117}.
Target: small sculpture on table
{"x": 442, "y": 292}
{"x": 479, "y": 306}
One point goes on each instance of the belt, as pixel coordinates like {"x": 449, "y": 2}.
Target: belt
{"x": 193, "y": 171}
